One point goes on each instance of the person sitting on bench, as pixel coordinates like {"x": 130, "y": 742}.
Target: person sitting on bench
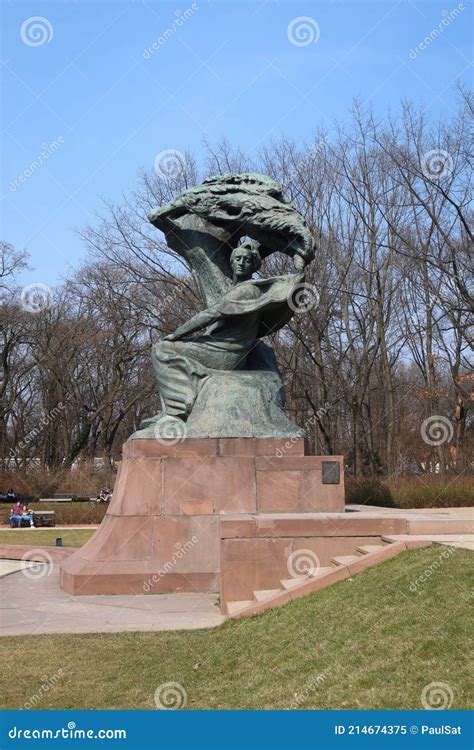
{"x": 104, "y": 495}
{"x": 15, "y": 515}
{"x": 27, "y": 515}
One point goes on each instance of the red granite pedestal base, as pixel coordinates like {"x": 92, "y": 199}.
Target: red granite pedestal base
{"x": 161, "y": 533}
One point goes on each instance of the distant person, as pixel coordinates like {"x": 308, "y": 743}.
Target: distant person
{"x": 104, "y": 495}
{"x": 10, "y": 494}
{"x": 16, "y": 513}
{"x": 27, "y": 515}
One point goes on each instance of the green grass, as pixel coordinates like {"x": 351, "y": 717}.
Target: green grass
{"x": 372, "y": 641}
{"x": 46, "y": 537}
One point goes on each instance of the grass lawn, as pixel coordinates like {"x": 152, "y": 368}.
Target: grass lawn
{"x": 46, "y": 537}
{"x": 366, "y": 643}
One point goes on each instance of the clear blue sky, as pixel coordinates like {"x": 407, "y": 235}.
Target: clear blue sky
{"x": 229, "y": 69}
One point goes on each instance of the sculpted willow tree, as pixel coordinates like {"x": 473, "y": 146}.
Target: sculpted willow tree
{"x": 225, "y": 381}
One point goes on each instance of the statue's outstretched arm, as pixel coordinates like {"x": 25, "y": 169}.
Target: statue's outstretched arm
{"x": 201, "y": 320}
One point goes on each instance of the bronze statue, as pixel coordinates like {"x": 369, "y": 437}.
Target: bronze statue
{"x": 225, "y": 382}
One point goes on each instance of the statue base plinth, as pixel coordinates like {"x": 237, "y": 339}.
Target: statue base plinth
{"x": 161, "y": 533}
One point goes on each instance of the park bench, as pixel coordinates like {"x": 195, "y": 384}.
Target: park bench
{"x": 40, "y": 518}
{"x": 44, "y": 518}
{"x": 55, "y": 499}
{"x": 22, "y": 499}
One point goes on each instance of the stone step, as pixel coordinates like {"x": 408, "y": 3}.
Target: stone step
{"x": 366, "y": 549}
{"x": 345, "y": 566}
{"x": 234, "y": 607}
{"x": 290, "y": 583}
{"x": 263, "y": 594}
{"x": 322, "y": 571}
{"x": 441, "y": 526}
{"x": 413, "y": 541}
{"x": 242, "y": 525}
{"x": 345, "y": 559}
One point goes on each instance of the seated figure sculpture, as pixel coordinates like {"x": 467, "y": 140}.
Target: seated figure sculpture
{"x": 225, "y": 380}
{"x": 210, "y": 455}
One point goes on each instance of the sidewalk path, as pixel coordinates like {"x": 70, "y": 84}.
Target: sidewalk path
{"x": 6, "y": 527}
{"x": 33, "y": 606}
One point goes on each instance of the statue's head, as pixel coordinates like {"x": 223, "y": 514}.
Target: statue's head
{"x": 245, "y": 260}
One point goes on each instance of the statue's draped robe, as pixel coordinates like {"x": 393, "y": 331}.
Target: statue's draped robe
{"x": 247, "y": 312}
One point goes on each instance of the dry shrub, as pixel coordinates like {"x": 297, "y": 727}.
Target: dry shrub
{"x": 85, "y": 480}
{"x": 427, "y": 491}
{"x": 369, "y": 492}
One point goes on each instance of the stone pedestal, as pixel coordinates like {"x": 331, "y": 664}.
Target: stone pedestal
{"x": 161, "y": 532}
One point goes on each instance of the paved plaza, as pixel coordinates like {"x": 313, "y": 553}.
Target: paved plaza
{"x": 37, "y": 605}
